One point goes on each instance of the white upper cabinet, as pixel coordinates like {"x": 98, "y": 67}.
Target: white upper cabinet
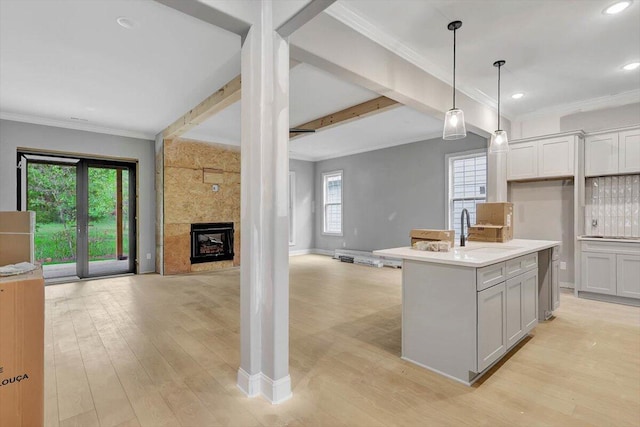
{"x": 601, "y": 154}
{"x": 543, "y": 158}
{"x": 555, "y": 157}
{"x": 612, "y": 153}
{"x": 629, "y": 151}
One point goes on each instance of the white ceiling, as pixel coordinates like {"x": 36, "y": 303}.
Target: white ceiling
{"x": 400, "y": 125}
{"x": 64, "y": 58}
{"x": 68, "y": 58}
{"x": 558, "y": 52}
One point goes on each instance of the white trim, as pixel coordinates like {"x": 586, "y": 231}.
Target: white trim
{"x": 324, "y": 202}
{"x": 354, "y": 20}
{"x": 301, "y": 252}
{"x": 608, "y": 101}
{"x": 292, "y": 210}
{"x": 325, "y": 252}
{"x": 249, "y": 384}
{"x": 259, "y": 384}
{"x": 276, "y": 391}
{"x": 25, "y": 118}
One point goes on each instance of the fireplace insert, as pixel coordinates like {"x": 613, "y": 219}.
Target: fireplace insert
{"x": 211, "y": 242}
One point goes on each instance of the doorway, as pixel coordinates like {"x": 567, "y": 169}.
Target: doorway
{"x": 85, "y": 214}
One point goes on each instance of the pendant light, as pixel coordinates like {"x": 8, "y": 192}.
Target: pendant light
{"x": 499, "y": 142}
{"x": 454, "y": 119}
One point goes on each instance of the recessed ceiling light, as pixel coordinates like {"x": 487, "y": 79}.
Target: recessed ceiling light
{"x": 617, "y": 7}
{"x": 517, "y": 95}
{"x": 126, "y": 22}
{"x": 631, "y": 66}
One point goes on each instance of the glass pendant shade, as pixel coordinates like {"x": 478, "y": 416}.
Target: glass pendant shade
{"x": 454, "y": 127}
{"x": 499, "y": 142}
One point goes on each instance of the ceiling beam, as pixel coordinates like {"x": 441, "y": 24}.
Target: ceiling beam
{"x": 210, "y": 15}
{"x": 221, "y": 99}
{"x": 303, "y": 16}
{"x": 367, "y": 108}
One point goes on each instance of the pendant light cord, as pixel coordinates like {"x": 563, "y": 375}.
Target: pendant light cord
{"x": 454, "y": 68}
{"x": 499, "y": 66}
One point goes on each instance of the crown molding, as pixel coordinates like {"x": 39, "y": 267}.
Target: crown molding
{"x": 37, "y": 120}
{"x": 352, "y": 19}
{"x": 609, "y": 101}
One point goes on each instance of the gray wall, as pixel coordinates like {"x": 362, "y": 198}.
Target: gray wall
{"x": 304, "y": 205}
{"x": 544, "y": 210}
{"x": 388, "y": 192}
{"x": 26, "y": 135}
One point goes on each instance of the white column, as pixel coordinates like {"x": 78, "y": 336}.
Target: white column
{"x": 264, "y": 274}
{"x": 497, "y": 177}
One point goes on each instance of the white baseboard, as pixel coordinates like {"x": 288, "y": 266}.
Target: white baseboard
{"x": 567, "y": 285}
{"x": 276, "y": 391}
{"x": 322, "y": 252}
{"x": 249, "y": 384}
{"x": 301, "y": 252}
{"x": 259, "y": 384}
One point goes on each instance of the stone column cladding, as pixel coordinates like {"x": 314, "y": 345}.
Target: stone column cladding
{"x": 189, "y": 200}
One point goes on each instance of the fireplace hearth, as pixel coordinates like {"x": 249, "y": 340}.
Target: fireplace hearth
{"x": 211, "y": 242}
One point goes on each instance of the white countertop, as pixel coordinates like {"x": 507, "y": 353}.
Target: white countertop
{"x": 474, "y": 254}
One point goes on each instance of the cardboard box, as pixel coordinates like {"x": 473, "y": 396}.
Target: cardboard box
{"x": 500, "y": 213}
{"x": 17, "y": 237}
{"x": 418, "y": 235}
{"x": 17, "y": 222}
{"x": 22, "y": 350}
{"x": 488, "y": 233}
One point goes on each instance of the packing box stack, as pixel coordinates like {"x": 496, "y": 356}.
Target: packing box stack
{"x": 21, "y": 327}
{"x": 419, "y": 235}
{"x": 16, "y": 237}
{"x": 494, "y": 223}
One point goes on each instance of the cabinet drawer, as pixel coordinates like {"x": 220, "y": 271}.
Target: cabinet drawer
{"x": 490, "y": 275}
{"x": 521, "y": 264}
{"x": 625, "y": 248}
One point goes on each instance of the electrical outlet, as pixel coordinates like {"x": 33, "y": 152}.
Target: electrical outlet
{"x": 148, "y": 256}
{"x": 563, "y": 265}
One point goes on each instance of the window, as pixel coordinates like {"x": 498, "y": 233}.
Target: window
{"x": 292, "y": 208}
{"x": 467, "y": 186}
{"x": 332, "y": 184}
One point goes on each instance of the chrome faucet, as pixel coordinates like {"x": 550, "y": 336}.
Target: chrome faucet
{"x": 463, "y": 238}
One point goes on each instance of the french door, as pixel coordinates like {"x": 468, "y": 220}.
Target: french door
{"x": 85, "y": 214}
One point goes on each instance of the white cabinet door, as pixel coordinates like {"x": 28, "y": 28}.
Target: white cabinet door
{"x": 628, "y": 270}
{"x": 514, "y": 310}
{"x": 629, "y": 151}
{"x": 599, "y": 272}
{"x": 555, "y": 285}
{"x": 555, "y": 157}
{"x": 601, "y": 154}
{"x": 529, "y": 300}
{"x": 492, "y": 332}
{"x": 522, "y": 161}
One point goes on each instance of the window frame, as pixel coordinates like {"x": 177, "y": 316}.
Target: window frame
{"x": 449, "y": 159}
{"x": 326, "y": 175}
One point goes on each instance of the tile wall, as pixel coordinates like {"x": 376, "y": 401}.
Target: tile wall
{"x": 613, "y": 206}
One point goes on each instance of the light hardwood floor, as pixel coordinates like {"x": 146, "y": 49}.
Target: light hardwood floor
{"x": 164, "y": 351}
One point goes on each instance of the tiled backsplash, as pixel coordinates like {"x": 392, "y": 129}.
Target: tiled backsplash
{"x": 613, "y": 206}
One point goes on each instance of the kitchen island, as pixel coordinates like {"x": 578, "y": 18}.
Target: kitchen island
{"x": 463, "y": 310}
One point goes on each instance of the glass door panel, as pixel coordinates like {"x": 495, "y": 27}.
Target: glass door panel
{"x": 51, "y": 193}
{"x": 108, "y": 222}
